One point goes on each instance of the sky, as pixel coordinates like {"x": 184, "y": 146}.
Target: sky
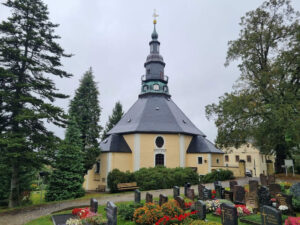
{"x": 112, "y": 37}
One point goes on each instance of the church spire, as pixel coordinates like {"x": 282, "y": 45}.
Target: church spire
{"x": 155, "y": 81}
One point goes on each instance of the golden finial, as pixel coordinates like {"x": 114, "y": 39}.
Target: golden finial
{"x": 154, "y": 16}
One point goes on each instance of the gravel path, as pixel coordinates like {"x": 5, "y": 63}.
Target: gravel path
{"x": 20, "y": 217}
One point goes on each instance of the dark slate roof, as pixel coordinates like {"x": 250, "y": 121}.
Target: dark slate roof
{"x": 155, "y": 113}
{"x": 114, "y": 143}
{"x": 200, "y": 144}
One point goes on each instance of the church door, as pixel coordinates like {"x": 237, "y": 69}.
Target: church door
{"x": 159, "y": 160}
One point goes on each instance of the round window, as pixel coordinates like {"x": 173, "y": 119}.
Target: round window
{"x": 159, "y": 142}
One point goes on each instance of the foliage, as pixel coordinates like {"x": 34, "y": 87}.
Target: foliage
{"x": 212, "y": 205}
{"x": 126, "y": 211}
{"x": 203, "y": 222}
{"x": 153, "y": 178}
{"x": 264, "y": 107}
{"x": 148, "y": 214}
{"x": 84, "y": 107}
{"x": 295, "y": 191}
{"x": 117, "y": 114}
{"x": 29, "y": 57}
{"x": 95, "y": 220}
{"x": 220, "y": 175}
{"x": 66, "y": 180}
{"x": 292, "y": 221}
{"x": 183, "y": 219}
{"x": 171, "y": 208}
{"x": 73, "y": 221}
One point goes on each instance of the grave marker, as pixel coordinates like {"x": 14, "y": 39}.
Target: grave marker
{"x": 200, "y": 191}
{"x": 232, "y": 183}
{"x": 176, "y": 191}
{"x": 162, "y": 199}
{"x": 190, "y": 194}
{"x": 207, "y": 194}
{"x": 239, "y": 195}
{"x": 149, "y": 198}
{"x": 252, "y": 200}
{"x": 283, "y": 199}
{"x": 200, "y": 207}
{"x": 271, "y": 179}
{"x": 228, "y": 195}
{"x": 186, "y": 186}
{"x": 274, "y": 189}
{"x": 264, "y": 197}
{"x": 253, "y": 186}
{"x": 93, "y": 205}
{"x": 270, "y": 216}
{"x": 111, "y": 213}
{"x": 228, "y": 214}
{"x": 180, "y": 201}
{"x": 137, "y": 196}
{"x": 263, "y": 180}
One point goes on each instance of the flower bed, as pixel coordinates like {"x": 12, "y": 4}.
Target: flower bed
{"x": 85, "y": 216}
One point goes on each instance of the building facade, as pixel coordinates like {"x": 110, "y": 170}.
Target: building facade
{"x": 154, "y": 131}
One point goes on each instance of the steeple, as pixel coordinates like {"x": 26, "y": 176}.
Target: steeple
{"x": 154, "y": 81}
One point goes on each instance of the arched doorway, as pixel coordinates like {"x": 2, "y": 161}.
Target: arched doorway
{"x": 159, "y": 160}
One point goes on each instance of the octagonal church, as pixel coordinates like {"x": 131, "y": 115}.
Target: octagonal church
{"x": 154, "y": 131}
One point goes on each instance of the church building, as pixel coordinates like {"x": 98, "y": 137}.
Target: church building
{"x": 154, "y": 131}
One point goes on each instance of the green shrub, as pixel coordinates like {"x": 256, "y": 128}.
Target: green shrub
{"x": 217, "y": 175}
{"x": 126, "y": 210}
{"x": 116, "y": 176}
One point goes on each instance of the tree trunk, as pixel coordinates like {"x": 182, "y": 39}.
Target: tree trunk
{"x": 280, "y": 157}
{"x": 14, "y": 198}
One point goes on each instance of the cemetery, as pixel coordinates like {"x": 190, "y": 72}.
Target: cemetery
{"x": 264, "y": 202}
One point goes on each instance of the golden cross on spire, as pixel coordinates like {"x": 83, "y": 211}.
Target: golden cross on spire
{"x": 155, "y": 15}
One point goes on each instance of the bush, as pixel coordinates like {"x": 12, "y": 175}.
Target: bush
{"x": 148, "y": 214}
{"x": 217, "y": 175}
{"x": 171, "y": 208}
{"x": 126, "y": 211}
{"x": 116, "y": 176}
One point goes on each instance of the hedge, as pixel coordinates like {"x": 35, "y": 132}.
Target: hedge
{"x": 217, "y": 175}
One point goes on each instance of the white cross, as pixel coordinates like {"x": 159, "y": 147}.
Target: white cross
{"x": 154, "y": 14}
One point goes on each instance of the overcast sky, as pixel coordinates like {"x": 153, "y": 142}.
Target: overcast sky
{"x": 112, "y": 37}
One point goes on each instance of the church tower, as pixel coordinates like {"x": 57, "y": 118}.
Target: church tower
{"x": 154, "y": 131}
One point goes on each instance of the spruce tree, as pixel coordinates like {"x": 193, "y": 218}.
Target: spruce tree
{"x": 85, "y": 108}
{"x": 66, "y": 179}
{"x": 117, "y": 114}
{"x": 29, "y": 56}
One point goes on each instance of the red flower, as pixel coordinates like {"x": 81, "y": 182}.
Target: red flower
{"x": 213, "y": 192}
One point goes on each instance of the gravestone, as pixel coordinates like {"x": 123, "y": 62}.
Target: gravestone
{"x": 270, "y": 216}
{"x": 176, "y": 191}
{"x": 274, "y": 189}
{"x": 200, "y": 191}
{"x": 283, "y": 199}
{"x": 271, "y": 179}
{"x": 190, "y": 194}
{"x": 239, "y": 195}
{"x": 180, "y": 201}
{"x": 253, "y": 186}
{"x": 149, "y": 198}
{"x": 264, "y": 197}
{"x": 232, "y": 183}
{"x": 228, "y": 214}
{"x": 94, "y": 205}
{"x": 111, "y": 213}
{"x": 228, "y": 195}
{"x": 217, "y": 183}
{"x": 263, "y": 180}
{"x": 62, "y": 218}
{"x": 137, "y": 196}
{"x": 162, "y": 199}
{"x": 200, "y": 208}
{"x": 207, "y": 194}
{"x": 252, "y": 201}
{"x": 186, "y": 187}
{"x": 219, "y": 191}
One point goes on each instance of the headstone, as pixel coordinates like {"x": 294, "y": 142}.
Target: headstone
{"x": 207, "y": 194}
{"x": 186, "y": 186}
{"x": 252, "y": 200}
{"x": 200, "y": 208}
{"x": 200, "y": 191}
{"x": 180, "y": 201}
{"x": 270, "y": 216}
{"x": 217, "y": 183}
{"x": 149, "y": 198}
{"x": 283, "y": 199}
{"x": 94, "y": 205}
{"x": 190, "y": 194}
{"x": 232, "y": 183}
{"x": 176, "y": 191}
{"x": 274, "y": 189}
{"x": 264, "y": 197}
{"x": 111, "y": 213}
{"x": 263, "y": 180}
{"x": 253, "y": 186}
{"x": 62, "y": 218}
{"x": 219, "y": 191}
{"x": 239, "y": 194}
{"x": 228, "y": 214}
{"x": 271, "y": 179}
{"x": 162, "y": 199}
{"x": 137, "y": 196}
{"x": 228, "y": 195}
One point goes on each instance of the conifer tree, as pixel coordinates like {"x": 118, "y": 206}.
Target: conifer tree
{"x": 66, "y": 179}
{"x": 85, "y": 108}
{"x": 29, "y": 56}
{"x": 117, "y": 114}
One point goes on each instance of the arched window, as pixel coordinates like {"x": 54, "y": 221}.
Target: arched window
{"x": 159, "y": 160}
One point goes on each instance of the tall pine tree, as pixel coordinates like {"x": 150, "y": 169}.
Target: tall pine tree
{"x": 66, "y": 179}
{"x": 117, "y": 114}
{"x": 85, "y": 108}
{"x": 29, "y": 56}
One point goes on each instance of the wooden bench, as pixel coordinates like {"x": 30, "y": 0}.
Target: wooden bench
{"x": 101, "y": 188}
{"x": 127, "y": 186}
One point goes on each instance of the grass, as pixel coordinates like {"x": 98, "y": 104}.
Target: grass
{"x": 257, "y": 218}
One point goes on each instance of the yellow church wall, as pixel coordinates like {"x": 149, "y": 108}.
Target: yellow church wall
{"x": 192, "y": 161}
{"x": 217, "y": 159}
{"x": 103, "y": 168}
{"x": 122, "y": 161}
{"x": 129, "y": 138}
